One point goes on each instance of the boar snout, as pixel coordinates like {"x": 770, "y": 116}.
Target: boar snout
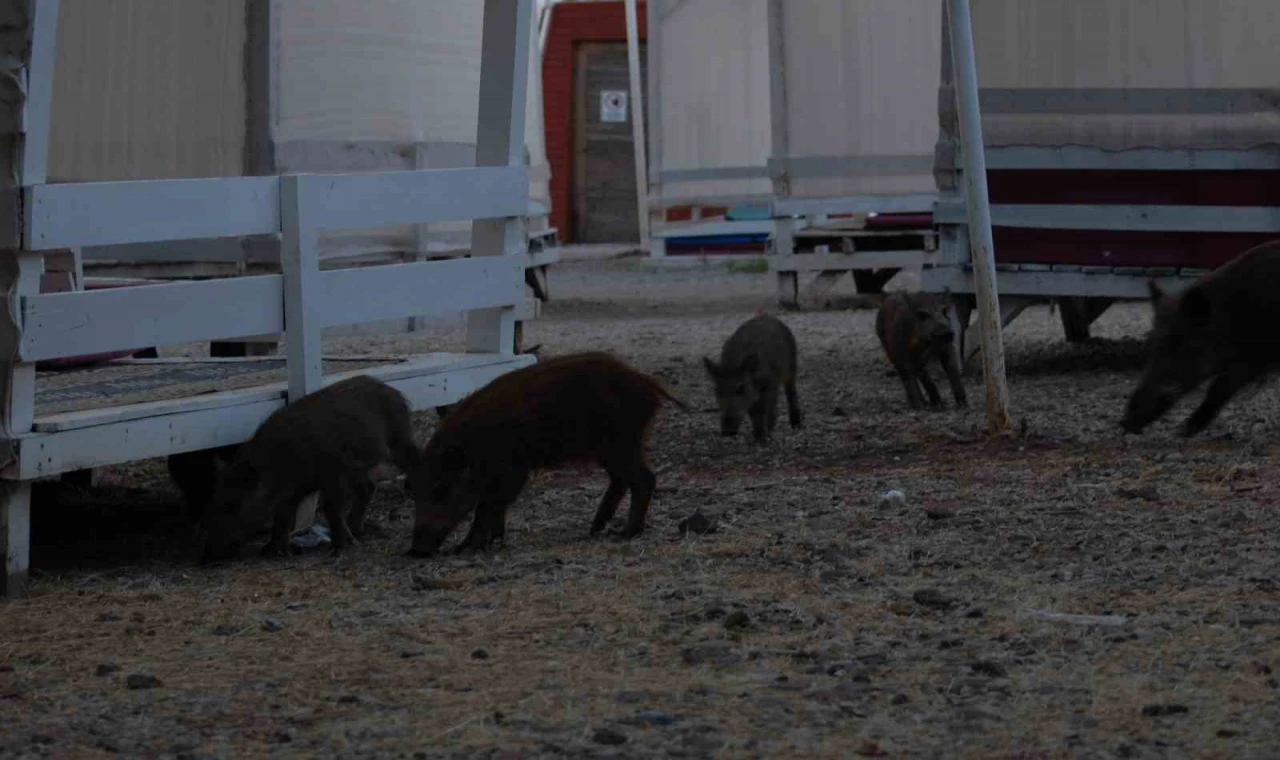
{"x": 429, "y": 535}
{"x": 1146, "y": 406}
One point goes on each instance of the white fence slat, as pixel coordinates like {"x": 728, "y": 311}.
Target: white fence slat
{"x": 39, "y": 87}
{"x": 57, "y": 325}
{"x": 388, "y": 199}
{"x": 109, "y": 213}
{"x": 300, "y": 263}
{"x": 429, "y": 288}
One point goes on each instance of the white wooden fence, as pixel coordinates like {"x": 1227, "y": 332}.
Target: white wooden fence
{"x": 300, "y": 302}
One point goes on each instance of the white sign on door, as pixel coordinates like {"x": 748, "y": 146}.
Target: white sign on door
{"x": 613, "y": 105}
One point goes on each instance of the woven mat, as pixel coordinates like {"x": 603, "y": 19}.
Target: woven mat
{"x": 122, "y": 384}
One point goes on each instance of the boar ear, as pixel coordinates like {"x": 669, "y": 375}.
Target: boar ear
{"x": 713, "y": 369}
{"x": 750, "y": 363}
{"x": 1156, "y": 292}
{"x": 1195, "y": 306}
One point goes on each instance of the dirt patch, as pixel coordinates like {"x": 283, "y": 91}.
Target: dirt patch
{"x": 816, "y": 620}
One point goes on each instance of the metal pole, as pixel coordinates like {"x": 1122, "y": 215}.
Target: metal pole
{"x": 981, "y": 247}
{"x": 637, "y": 124}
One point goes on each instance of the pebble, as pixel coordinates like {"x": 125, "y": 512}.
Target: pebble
{"x": 893, "y": 498}
{"x": 106, "y": 669}
{"x": 737, "y": 619}
{"x": 271, "y": 625}
{"x": 719, "y": 652}
{"x": 697, "y": 524}
{"x": 929, "y": 597}
{"x": 142, "y": 681}
{"x": 609, "y": 736}
{"x": 1159, "y": 710}
{"x": 479, "y": 654}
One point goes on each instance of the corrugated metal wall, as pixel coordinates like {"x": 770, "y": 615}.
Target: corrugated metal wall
{"x": 713, "y": 90}
{"x": 861, "y": 81}
{"x": 148, "y": 89}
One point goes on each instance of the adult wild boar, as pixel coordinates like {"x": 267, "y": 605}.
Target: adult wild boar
{"x": 757, "y": 360}
{"x": 327, "y": 441}
{"x": 588, "y": 406}
{"x": 914, "y": 329}
{"x": 1220, "y": 327}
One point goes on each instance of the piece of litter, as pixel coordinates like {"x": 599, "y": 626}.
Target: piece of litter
{"x": 316, "y": 535}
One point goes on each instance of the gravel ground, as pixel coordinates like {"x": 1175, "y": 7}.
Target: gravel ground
{"x": 815, "y": 621}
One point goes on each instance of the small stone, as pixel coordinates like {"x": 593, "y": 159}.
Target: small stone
{"x": 737, "y": 619}
{"x": 282, "y": 737}
{"x": 1146, "y": 492}
{"x": 138, "y": 617}
{"x": 719, "y": 652}
{"x": 890, "y": 499}
{"x": 939, "y": 512}
{"x": 988, "y": 668}
{"x": 295, "y": 606}
{"x": 652, "y": 718}
{"x": 225, "y": 630}
{"x": 1161, "y": 710}
{"x": 928, "y": 597}
{"x": 106, "y": 669}
{"x": 871, "y": 749}
{"x": 271, "y": 625}
{"x": 349, "y": 699}
{"x": 1227, "y": 733}
{"x": 6, "y": 668}
{"x": 479, "y": 654}
{"x": 839, "y": 412}
{"x": 142, "y": 681}
{"x": 410, "y": 654}
{"x": 974, "y": 613}
{"x": 899, "y": 699}
{"x": 697, "y": 524}
{"x": 609, "y": 736}
{"x": 108, "y": 617}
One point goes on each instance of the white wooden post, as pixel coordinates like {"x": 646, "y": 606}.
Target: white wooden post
{"x": 981, "y": 246}
{"x": 654, "y": 11}
{"x": 32, "y": 95}
{"x": 784, "y": 228}
{"x": 504, "y": 69}
{"x": 300, "y": 265}
{"x": 637, "y": 123}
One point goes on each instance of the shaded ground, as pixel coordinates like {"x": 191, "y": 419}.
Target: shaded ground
{"x": 814, "y": 622}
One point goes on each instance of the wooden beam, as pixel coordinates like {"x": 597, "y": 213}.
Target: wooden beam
{"x": 979, "y": 231}
{"x": 504, "y": 70}
{"x": 637, "y": 123}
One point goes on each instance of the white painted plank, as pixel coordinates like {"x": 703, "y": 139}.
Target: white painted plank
{"x": 832, "y": 262}
{"x": 427, "y": 288}
{"x": 57, "y": 325}
{"x": 1146, "y": 218}
{"x": 1051, "y": 284}
{"x": 15, "y": 538}
{"x": 300, "y": 265}
{"x": 437, "y": 389}
{"x": 18, "y": 386}
{"x": 108, "y": 213}
{"x": 39, "y": 86}
{"x": 918, "y": 203}
{"x": 388, "y": 199}
{"x": 717, "y": 227}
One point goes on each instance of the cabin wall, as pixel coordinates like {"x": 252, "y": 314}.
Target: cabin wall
{"x": 861, "y": 80}
{"x": 713, "y": 95}
{"x": 1136, "y": 45}
{"x": 148, "y": 89}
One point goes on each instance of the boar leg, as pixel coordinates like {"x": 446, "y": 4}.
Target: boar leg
{"x": 285, "y": 504}
{"x": 770, "y": 400}
{"x": 1220, "y": 391}
{"x": 793, "y": 404}
{"x": 909, "y": 383}
{"x": 953, "y": 377}
{"x": 641, "y": 481}
{"x": 337, "y": 494}
{"x": 362, "y": 495}
{"x": 609, "y": 504}
{"x": 923, "y": 373}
